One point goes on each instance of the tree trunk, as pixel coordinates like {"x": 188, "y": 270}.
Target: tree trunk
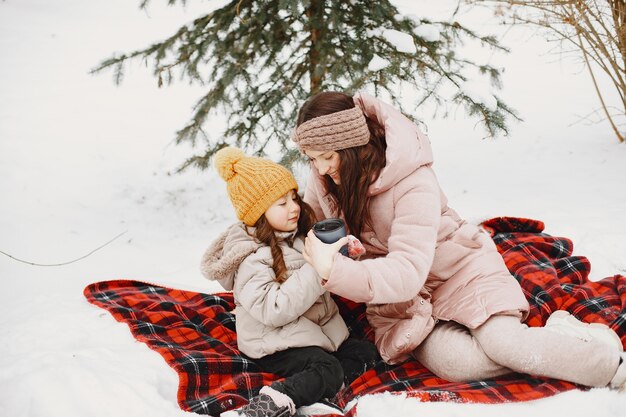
{"x": 316, "y": 70}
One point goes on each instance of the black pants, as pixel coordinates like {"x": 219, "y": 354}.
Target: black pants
{"x": 312, "y": 373}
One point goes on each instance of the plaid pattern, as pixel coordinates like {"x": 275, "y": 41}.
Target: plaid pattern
{"x": 195, "y": 333}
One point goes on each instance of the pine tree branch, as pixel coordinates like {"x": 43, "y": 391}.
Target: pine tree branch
{"x": 260, "y": 61}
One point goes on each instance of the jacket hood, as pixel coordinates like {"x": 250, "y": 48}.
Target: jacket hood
{"x": 407, "y": 147}
{"x": 222, "y": 259}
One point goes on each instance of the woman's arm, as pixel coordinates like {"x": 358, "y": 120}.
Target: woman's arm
{"x": 401, "y": 274}
{"x": 272, "y": 303}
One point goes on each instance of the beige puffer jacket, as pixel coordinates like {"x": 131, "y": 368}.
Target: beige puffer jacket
{"x": 423, "y": 262}
{"x": 270, "y": 316}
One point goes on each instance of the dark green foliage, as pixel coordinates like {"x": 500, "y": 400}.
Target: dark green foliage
{"x": 259, "y": 60}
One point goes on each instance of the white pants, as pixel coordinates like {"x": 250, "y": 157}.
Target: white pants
{"x": 503, "y": 345}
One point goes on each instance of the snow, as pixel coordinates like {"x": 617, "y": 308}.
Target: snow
{"x": 82, "y": 161}
{"x": 378, "y": 63}
{"x": 403, "y": 42}
{"x": 430, "y": 33}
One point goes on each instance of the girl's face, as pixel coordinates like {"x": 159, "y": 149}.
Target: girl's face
{"x": 326, "y": 163}
{"x": 283, "y": 215}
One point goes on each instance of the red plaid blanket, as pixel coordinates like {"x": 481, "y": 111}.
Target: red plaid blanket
{"x": 195, "y": 332}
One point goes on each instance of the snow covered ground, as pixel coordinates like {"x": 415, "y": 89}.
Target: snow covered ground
{"x": 82, "y": 161}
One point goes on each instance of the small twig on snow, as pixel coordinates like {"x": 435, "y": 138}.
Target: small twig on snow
{"x": 64, "y": 263}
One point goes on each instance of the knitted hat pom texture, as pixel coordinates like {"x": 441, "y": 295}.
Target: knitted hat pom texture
{"x": 225, "y": 160}
{"x": 253, "y": 183}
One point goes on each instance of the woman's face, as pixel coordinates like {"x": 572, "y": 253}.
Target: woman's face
{"x": 326, "y": 163}
{"x": 283, "y": 215}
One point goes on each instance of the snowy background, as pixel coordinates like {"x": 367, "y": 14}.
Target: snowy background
{"x": 82, "y": 161}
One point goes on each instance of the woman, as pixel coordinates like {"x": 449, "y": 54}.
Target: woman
{"x": 436, "y": 287}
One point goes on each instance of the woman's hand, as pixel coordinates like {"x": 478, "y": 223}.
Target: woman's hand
{"x": 320, "y": 255}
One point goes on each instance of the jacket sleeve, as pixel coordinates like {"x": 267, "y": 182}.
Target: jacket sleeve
{"x": 401, "y": 274}
{"x": 276, "y": 304}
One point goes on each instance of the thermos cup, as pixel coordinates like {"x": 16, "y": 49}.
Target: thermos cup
{"x": 330, "y": 231}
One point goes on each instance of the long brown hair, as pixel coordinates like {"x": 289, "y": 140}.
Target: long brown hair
{"x": 266, "y": 234}
{"x": 358, "y": 166}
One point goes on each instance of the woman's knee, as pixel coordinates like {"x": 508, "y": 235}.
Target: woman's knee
{"x": 451, "y": 353}
{"x": 461, "y": 367}
{"x": 500, "y": 336}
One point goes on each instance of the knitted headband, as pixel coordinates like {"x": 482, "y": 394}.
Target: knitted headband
{"x": 333, "y": 132}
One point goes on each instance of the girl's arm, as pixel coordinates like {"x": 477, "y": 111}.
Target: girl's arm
{"x": 401, "y": 274}
{"x": 270, "y": 302}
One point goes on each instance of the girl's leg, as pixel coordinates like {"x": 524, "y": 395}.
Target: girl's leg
{"x": 311, "y": 373}
{"x": 452, "y": 353}
{"x": 356, "y": 356}
{"x": 540, "y": 351}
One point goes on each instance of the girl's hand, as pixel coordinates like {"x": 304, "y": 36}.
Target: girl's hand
{"x": 320, "y": 255}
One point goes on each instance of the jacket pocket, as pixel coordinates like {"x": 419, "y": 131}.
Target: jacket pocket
{"x": 400, "y": 327}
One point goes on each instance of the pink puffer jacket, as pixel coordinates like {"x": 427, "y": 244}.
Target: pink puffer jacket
{"x": 423, "y": 262}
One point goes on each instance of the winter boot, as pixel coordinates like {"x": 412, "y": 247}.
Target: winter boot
{"x": 619, "y": 380}
{"x": 563, "y": 322}
{"x": 269, "y": 403}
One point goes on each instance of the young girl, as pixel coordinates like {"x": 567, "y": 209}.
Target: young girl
{"x": 437, "y": 288}
{"x": 286, "y": 322}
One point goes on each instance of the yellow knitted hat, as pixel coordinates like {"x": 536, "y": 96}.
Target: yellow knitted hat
{"x": 253, "y": 184}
